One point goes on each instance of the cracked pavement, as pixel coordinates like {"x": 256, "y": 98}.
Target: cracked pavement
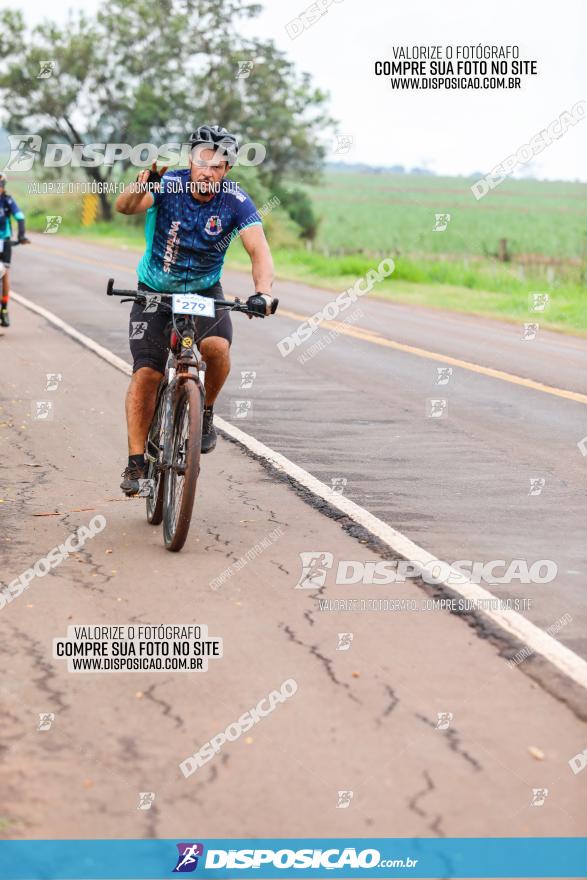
{"x": 363, "y": 720}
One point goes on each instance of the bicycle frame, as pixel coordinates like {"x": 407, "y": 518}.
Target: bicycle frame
{"x": 184, "y": 363}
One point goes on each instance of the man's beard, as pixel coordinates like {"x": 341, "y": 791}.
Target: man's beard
{"x": 205, "y": 187}
{"x": 204, "y": 190}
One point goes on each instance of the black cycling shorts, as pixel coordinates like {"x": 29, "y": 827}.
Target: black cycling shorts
{"x": 6, "y": 252}
{"x": 149, "y": 331}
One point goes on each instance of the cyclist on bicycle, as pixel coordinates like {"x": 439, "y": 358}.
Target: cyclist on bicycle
{"x": 192, "y": 215}
{"x": 8, "y": 210}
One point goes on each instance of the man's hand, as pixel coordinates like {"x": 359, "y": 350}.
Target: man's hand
{"x": 261, "y": 304}
{"x": 151, "y": 176}
{"x": 136, "y": 198}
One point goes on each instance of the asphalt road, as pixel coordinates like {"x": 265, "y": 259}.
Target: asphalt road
{"x": 424, "y": 723}
{"x": 459, "y": 485}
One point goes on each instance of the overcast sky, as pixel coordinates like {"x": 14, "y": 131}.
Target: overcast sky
{"x": 456, "y": 132}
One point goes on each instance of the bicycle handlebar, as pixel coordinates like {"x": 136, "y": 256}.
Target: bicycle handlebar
{"x": 136, "y": 295}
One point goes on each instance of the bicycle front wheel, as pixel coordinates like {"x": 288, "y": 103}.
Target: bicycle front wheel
{"x": 181, "y": 476}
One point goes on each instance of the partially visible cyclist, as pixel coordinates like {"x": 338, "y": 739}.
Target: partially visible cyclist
{"x": 192, "y": 215}
{"x": 8, "y": 210}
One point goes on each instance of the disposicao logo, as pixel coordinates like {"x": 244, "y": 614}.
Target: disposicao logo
{"x": 187, "y": 859}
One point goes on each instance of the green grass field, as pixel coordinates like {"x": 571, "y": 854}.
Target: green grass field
{"x": 364, "y": 216}
{"x": 396, "y": 213}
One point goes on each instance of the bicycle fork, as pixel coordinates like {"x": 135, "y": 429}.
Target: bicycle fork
{"x": 169, "y": 412}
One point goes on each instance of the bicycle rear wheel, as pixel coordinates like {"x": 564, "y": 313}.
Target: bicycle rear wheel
{"x": 152, "y": 451}
{"x": 182, "y": 475}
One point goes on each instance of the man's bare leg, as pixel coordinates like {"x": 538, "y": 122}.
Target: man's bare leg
{"x": 140, "y": 406}
{"x": 5, "y": 294}
{"x": 216, "y": 352}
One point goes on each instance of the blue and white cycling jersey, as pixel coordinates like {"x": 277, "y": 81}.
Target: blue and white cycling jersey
{"x": 187, "y": 239}
{"x": 8, "y": 209}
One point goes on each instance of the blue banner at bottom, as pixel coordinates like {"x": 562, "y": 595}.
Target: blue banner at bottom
{"x": 293, "y": 857}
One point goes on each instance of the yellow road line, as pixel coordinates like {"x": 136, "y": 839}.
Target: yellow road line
{"x": 89, "y": 260}
{"x": 377, "y": 339}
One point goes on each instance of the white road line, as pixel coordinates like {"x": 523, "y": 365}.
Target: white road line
{"x": 565, "y": 660}
{"x": 102, "y": 352}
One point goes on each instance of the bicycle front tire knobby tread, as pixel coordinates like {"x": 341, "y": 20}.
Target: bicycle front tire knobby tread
{"x": 177, "y": 514}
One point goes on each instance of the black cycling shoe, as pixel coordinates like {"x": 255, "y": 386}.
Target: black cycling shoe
{"x": 4, "y": 319}
{"x": 208, "y": 431}
{"x": 132, "y": 474}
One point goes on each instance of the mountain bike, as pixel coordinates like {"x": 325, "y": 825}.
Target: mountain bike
{"x": 172, "y": 449}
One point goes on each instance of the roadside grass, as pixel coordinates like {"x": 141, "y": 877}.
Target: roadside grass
{"x": 127, "y": 236}
{"x": 485, "y": 289}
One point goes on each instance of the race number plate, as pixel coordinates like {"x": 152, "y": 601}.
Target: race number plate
{"x": 193, "y": 304}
